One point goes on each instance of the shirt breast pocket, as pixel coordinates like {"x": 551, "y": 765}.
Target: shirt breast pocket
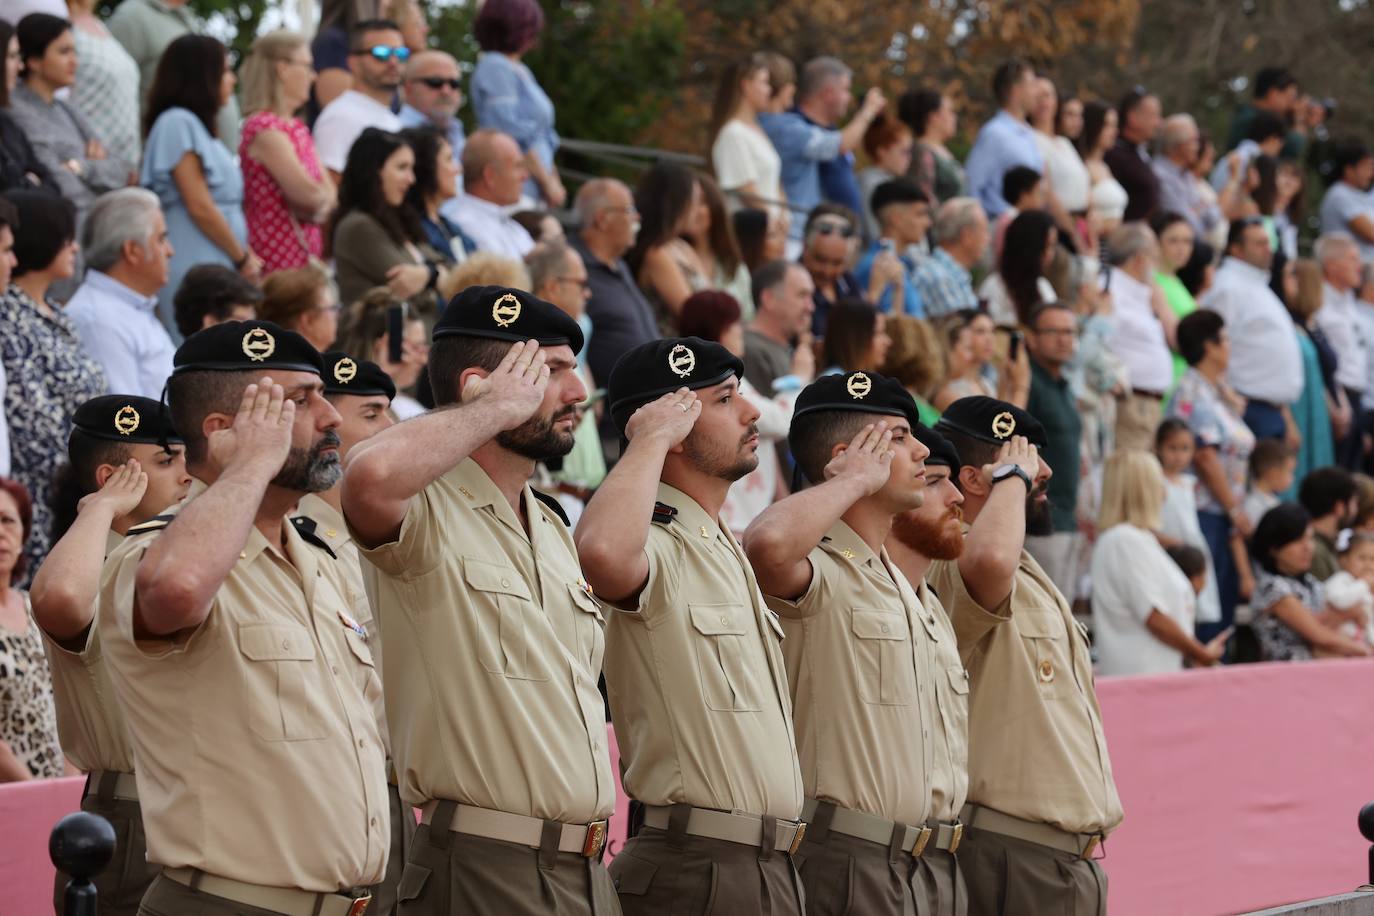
{"x": 279, "y": 683}
{"x": 883, "y": 664}
{"x": 1047, "y": 648}
{"x": 727, "y": 683}
{"x": 501, "y": 604}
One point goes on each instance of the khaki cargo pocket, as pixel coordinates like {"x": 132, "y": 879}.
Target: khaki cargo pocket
{"x": 282, "y": 704}
{"x": 883, "y": 664}
{"x": 412, "y": 883}
{"x": 727, "y": 684}
{"x": 502, "y": 604}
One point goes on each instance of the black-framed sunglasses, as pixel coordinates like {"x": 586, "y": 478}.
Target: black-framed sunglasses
{"x": 832, "y": 227}
{"x": 385, "y": 53}
{"x": 439, "y": 82}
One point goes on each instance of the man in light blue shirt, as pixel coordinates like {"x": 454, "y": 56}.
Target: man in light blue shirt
{"x": 1005, "y": 141}
{"x": 433, "y": 97}
{"x": 903, "y": 213}
{"x": 115, "y": 310}
{"x": 817, "y": 158}
{"x": 959, "y": 239}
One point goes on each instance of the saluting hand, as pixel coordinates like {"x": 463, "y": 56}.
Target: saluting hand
{"x": 516, "y": 388}
{"x": 670, "y": 418}
{"x": 867, "y": 460}
{"x": 259, "y": 439}
{"x": 1017, "y": 451}
{"x": 122, "y": 493}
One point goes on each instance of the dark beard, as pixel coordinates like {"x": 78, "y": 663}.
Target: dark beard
{"x": 1038, "y": 521}
{"x": 941, "y": 541}
{"x": 715, "y": 461}
{"x": 536, "y": 439}
{"x": 309, "y": 470}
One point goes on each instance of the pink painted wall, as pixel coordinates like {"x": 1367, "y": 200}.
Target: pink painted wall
{"x": 1241, "y": 788}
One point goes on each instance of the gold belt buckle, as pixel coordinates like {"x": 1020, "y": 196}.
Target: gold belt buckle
{"x": 797, "y": 838}
{"x": 359, "y": 906}
{"x": 1093, "y": 842}
{"x": 921, "y": 840}
{"x": 958, "y": 837}
{"x": 596, "y": 838}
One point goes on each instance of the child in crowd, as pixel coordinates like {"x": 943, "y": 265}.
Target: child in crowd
{"x": 1023, "y": 189}
{"x": 1272, "y": 465}
{"x": 1194, "y": 563}
{"x": 1350, "y": 592}
{"x": 1178, "y": 519}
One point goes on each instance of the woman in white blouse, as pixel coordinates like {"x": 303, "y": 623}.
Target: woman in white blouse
{"x": 746, "y": 164}
{"x": 1065, "y": 172}
{"x": 1143, "y": 605}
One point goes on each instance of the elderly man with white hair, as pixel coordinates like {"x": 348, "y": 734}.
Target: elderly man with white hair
{"x": 1179, "y": 145}
{"x": 1339, "y": 255}
{"x": 960, "y": 236}
{"x": 115, "y": 310}
{"x": 433, "y": 94}
{"x": 1142, "y": 328}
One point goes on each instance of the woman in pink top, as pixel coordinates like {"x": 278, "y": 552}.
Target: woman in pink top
{"x": 286, "y": 195}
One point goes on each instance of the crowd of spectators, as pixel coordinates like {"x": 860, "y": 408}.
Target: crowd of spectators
{"x": 1196, "y": 346}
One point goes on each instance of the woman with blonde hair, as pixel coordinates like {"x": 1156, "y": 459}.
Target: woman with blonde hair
{"x": 485, "y": 269}
{"x": 1144, "y": 607}
{"x": 287, "y": 197}
{"x": 363, "y": 332}
{"x": 302, "y": 300}
{"x": 916, "y": 359}
{"x": 745, "y": 162}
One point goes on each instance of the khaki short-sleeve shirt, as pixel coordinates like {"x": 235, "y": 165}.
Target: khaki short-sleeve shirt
{"x": 493, "y": 648}
{"x": 256, "y": 747}
{"x": 861, "y": 652}
{"x": 1036, "y": 746}
{"x": 696, "y": 677}
{"x": 90, "y": 723}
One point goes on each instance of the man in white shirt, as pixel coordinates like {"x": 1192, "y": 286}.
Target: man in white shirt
{"x": 115, "y": 310}
{"x": 1339, "y": 255}
{"x": 1266, "y": 364}
{"x": 1141, "y": 330}
{"x": 494, "y": 174}
{"x": 376, "y": 54}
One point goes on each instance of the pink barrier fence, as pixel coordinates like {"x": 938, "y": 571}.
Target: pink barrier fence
{"x": 1241, "y": 788}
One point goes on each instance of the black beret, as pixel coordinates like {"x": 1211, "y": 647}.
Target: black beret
{"x": 942, "y": 451}
{"x": 246, "y": 346}
{"x": 653, "y": 369}
{"x": 864, "y": 392}
{"x": 990, "y": 420}
{"x": 500, "y": 313}
{"x": 345, "y": 375}
{"x": 125, "y": 418}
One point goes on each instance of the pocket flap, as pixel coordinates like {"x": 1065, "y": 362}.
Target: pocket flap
{"x": 958, "y": 678}
{"x": 273, "y": 642}
{"x": 1039, "y": 624}
{"x": 879, "y": 625}
{"x": 585, "y": 602}
{"x": 718, "y": 619}
{"x": 360, "y": 648}
{"x": 412, "y": 882}
{"x": 632, "y": 875}
{"x": 493, "y": 577}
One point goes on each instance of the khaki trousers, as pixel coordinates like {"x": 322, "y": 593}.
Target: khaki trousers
{"x": 845, "y": 875}
{"x": 672, "y": 873}
{"x": 456, "y": 874}
{"x": 1137, "y": 417}
{"x": 1011, "y": 877}
{"x": 126, "y": 879}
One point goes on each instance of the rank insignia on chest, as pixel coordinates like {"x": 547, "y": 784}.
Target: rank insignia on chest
{"x": 353, "y": 625}
{"x": 585, "y": 586}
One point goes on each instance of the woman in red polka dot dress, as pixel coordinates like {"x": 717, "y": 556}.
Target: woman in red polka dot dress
{"x": 286, "y": 195}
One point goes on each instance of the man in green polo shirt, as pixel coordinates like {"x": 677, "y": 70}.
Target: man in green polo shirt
{"x": 1052, "y": 336}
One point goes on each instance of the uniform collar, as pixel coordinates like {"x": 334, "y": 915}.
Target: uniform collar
{"x": 690, "y": 514}
{"x": 108, "y": 285}
{"x": 481, "y": 491}
{"x": 843, "y": 541}
{"x": 332, "y": 526}
{"x": 256, "y": 542}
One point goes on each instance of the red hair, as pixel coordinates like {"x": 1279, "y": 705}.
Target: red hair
{"x": 708, "y": 314}
{"x": 24, "y": 503}
{"x": 882, "y": 133}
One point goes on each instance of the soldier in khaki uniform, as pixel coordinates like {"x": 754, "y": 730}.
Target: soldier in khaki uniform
{"x": 493, "y": 641}
{"x": 361, "y": 392}
{"x": 124, "y": 464}
{"x": 247, "y": 686}
{"x": 694, "y": 672}
{"x": 874, "y": 704}
{"x": 1041, "y": 794}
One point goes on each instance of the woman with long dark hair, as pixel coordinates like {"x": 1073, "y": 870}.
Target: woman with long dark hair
{"x": 1019, "y": 284}
{"x": 711, "y": 234}
{"x": 855, "y": 338}
{"x": 19, "y": 164}
{"x": 1099, "y": 135}
{"x": 195, "y": 178}
{"x": 436, "y": 180}
{"x": 374, "y": 237}
{"x": 933, "y": 122}
{"x": 665, "y": 266}
{"x": 743, "y": 158}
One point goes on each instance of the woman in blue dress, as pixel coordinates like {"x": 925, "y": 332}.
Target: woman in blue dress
{"x": 193, "y": 174}
{"x": 1299, "y": 285}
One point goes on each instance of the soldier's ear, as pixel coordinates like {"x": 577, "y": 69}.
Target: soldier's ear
{"x": 971, "y": 481}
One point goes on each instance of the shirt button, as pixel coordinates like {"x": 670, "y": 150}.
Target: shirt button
{"x": 286, "y": 644}
{"x": 362, "y": 743}
{"x": 374, "y": 822}
{"x": 335, "y": 668}
{"x": 724, "y": 619}
{"x": 887, "y": 629}
{"x": 505, "y": 583}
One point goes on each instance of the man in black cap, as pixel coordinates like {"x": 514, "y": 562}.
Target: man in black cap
{"x": 247, "y": 687}
{"x": 1041, "y": 794}
{"x": 696, "y": 681}
{"x": 862, "y": 650}
{"x": 362, "y": 393}
{"x": 493, "y": 640}
{"x": 125, "y": 463}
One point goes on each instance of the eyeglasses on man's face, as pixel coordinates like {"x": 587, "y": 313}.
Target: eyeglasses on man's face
{"x": 439, "y": 82}
{"x": 833, "y": 227}
{"x": 385, "y": 53}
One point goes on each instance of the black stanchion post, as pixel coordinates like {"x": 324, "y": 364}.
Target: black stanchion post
{"x": 1366, "y": 822}
{"x": 81, "y": 845}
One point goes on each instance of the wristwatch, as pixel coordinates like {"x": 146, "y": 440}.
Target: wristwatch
{"x": 1008, "y": 471}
